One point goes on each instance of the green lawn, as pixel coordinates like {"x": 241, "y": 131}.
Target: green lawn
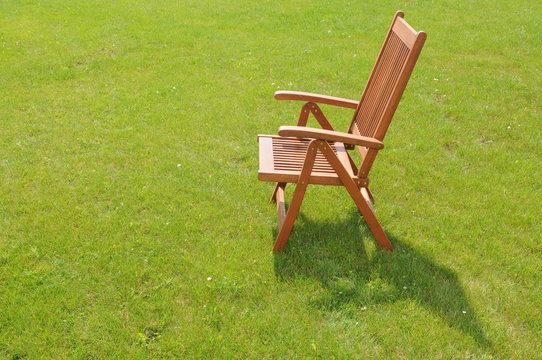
{"x": 133, "y": 225}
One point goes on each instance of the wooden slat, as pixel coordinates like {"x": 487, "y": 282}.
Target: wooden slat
{"x": 266, "y": 156}
{"x": 288, "y": 156}
{"x": 380, "y": 89}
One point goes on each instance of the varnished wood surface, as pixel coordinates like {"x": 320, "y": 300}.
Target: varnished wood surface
{"x": 305, "y": 155}
{"x": 297, "y": 198}
{"x": 316, "y": 98}
{"x": 312, "y": 133}
{"x": 284, "y": 158}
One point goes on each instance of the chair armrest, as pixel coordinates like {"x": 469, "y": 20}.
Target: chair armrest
{"x": 330, "y": 135}
{"x": 317, "y": 98}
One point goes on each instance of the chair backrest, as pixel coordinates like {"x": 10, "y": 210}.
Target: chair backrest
{"x": 386, "y": 84}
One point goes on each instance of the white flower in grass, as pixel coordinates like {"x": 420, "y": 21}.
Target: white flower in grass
{"x": 209, "y": 278}
{"x": 464, "y": 312}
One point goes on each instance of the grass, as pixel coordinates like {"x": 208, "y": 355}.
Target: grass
{"x": 133, "y": 224}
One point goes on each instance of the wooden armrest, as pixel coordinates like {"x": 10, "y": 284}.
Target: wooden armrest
{"x": 305, "y": 132}
{"x": 317, "y": 98}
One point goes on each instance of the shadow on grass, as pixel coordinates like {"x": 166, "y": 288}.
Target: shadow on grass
{"x": 334, "y": 254}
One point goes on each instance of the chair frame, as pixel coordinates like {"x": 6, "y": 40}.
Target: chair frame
{"x": 333, "y": 144}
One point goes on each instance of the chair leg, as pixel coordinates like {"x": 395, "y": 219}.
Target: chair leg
{"x": 363, "y": 206}
{"x": 274, "y": 196}
{"x": 289, "y": 220}
{"x": 281, "y": 205}
{"x": 371, "y": 196}
{"x": 366, "y": 193}
{"x": 366, "y": 209}
{"x": 286, "y": 227}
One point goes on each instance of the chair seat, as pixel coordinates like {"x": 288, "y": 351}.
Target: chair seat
{"x": 282, "y": 158}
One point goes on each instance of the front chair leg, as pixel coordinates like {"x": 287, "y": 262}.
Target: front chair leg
{"x": 286, "y": 227}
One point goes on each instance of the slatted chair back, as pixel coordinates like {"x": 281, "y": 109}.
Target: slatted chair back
{"x": 385, "y": 86}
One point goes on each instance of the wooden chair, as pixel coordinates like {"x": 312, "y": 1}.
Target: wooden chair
{"x": 304, "y": 155}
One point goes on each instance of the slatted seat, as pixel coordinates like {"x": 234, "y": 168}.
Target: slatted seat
{"x": 306, "y": 156}
{"x": 281, "y": 160}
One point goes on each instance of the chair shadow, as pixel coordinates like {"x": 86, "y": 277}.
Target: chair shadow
{"x": 334, "y": 254}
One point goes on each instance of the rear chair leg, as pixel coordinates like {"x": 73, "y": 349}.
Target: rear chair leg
{"x": 370, "y": 195}
{"x": 367, "y": 196}
{"x": 274, "y": 196}
{"x": 281, "y": 205}
{"x": 289, "y": 219}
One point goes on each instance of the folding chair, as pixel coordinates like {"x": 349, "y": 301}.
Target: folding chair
{"x": 304, "y": 155}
